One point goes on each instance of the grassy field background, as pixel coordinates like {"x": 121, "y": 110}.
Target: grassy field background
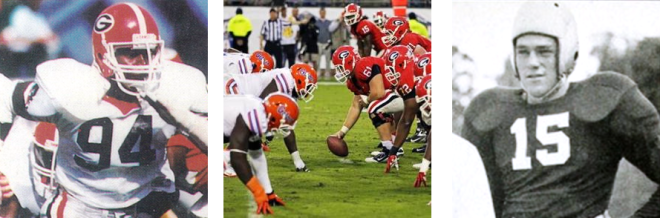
{"x": 335, "y": 187}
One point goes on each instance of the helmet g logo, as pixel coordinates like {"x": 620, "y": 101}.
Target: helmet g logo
{"x": 422, "y": 63}
{"x": 427, "y": 86}
{"x": 343, "y": 55}
{"x": 103, "y": 23}
{"x": 397, "y": 22}
{"x": 393, "y": 56}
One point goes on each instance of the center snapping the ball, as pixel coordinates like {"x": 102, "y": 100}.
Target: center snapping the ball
{"x": 337, "y": 146}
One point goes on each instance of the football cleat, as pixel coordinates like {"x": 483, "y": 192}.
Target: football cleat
{"x": 420, "y": 149}
{"x": 381, "y": 157}
{"x": 418, "y": 137}
{"x": 303, "y": 169}
{"x": 392, "y": 161}
{"x": 387, "y": 151}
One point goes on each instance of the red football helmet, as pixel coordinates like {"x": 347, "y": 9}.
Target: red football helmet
{"x": 380, "y": 18}
{"x": 397, "y": 59}
{"x": 282, "y": 113}
{"x": 305, "y": 79}
{"x": 127, "y": 47}
{"x": 395, "y": 29}
{"x": 423, "y": 65}
{"x": 261, "y": 61}
{"x": 344, "y": 60}
{"x": 423, "y": 95}
{"x": 352, "y": 14}
{"x": 44, "y": 148}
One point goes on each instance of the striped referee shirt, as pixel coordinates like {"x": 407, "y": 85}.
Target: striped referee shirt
{"x": 272, "y": 30}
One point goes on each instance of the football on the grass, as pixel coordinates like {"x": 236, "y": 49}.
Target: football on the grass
{"x": 337, "y": 146}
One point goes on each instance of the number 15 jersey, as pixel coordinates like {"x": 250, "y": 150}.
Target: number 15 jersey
{"x": 559, "y": 158}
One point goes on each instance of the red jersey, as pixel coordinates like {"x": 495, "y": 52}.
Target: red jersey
{"x": 196, "y": 161}
{"x": 406, "y": 83}
{"x": 413, "y": 39}
{"x": 357, "y": 87}
{"x": 366, "y": 28}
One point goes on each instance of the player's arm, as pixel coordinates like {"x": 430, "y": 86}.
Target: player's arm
{"x": 366, "y": 47}
{"x": 176, "y": 155}
{"x": 352, "y": 116}
{"x": 270, "y": 88}
{"x": 33, "y": 103}
{"x": 410, "y": 109}
{"x": 637, "y": 123}
{"x": 238, "y": 146}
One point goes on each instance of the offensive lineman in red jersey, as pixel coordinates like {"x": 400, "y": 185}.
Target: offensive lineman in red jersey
{"x": 363, "y": 76}
{"x": 552, "y": 148}
{"x": 366, "y": 32}
{"x": 397, "y": 32}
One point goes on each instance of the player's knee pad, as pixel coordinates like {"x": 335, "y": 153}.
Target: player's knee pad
{"x": 380, "y": 118}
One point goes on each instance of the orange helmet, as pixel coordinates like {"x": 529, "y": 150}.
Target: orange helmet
{"x": 261, "y": 61}
{"x": 305, "y": 79}
{"x": 282, "y": 113}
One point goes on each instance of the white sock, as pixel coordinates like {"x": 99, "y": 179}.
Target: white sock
{"x": 393, "y": 137}
{"x": 425, "y": 165}
{"x": 387, "y": 144}
{"x": 260, "y": 168}
{"x": 227, "y": 158}
{"x": 297, "y": 160}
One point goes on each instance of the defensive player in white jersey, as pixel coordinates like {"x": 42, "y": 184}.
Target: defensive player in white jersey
{"x": 247, "y": 119}
{"x": 239, "y": 63}
{"x": 299, "y": 82}
{"x": 111, "y": 157}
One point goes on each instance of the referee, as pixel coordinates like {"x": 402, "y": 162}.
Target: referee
{"x": 271, "y": 30}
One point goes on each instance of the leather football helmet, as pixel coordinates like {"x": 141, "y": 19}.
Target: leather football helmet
{"x": 42, "y": 158}
{"x": 423, "y": 95}
{"x": 395, "y": 29}
{"x": 261, "y": 61}
{"x": 127, "y": 47}
{"x": 305, "y": 79}
{"x": 352, "y": 14}
{"x": 281, "y": 112}
{"x": 397, "y": 59}
{"x": 423, "y": 65}
{"x": 344, "y": 60}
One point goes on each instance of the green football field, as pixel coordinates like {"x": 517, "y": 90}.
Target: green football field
{"x": 334, "y": 187}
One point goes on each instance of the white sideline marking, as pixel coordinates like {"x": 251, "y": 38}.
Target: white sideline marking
{"x": 330, "y": 83}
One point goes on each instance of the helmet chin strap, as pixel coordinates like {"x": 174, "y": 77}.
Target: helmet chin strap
{"x": 558, "y": 90}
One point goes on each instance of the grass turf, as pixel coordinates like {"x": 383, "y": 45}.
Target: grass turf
{"x": 335, "y": 188}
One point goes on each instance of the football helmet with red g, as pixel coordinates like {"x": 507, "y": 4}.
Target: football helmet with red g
{"x": 261, "y": 61}
{"x": 352, "y": 14}
{"x": 380, "y": 18}
{"x": 344, "y": 60}
{"x": 423, "y": 95}
{"x": 127, "y": 47}
{"x": 281, "y": 112}
{"x": 397, "y": 59}
{"x": 305, "y": 79}
{"x": 42, "y": 158}
{"x": 395, "y": 29}
{"x": 423, "y": 65}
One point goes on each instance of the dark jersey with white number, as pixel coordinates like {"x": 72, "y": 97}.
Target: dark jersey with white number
{"x": 559, "y": 158}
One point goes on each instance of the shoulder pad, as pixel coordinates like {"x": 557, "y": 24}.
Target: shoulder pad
{"x": 599, "y": 95}
{"x": 491, "y": 107}
{"x": 184, "y": 85}
{"x": 73, "y": 86}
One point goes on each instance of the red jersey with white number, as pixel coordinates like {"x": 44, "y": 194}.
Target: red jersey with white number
{"x": 368, "y": 67}
{"x": 366, "y": 28}
{"x": 413, "y": 39}
{"x": 560, "y": 158}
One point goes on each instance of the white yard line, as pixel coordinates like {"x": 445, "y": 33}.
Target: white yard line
{"x": 252, "y": 207}
{"x": 330, "y": 83}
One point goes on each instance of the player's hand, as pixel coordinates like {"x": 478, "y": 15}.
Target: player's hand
{"x": 202, "y": 181}
{"x": 264, "y": 208}
{"x": 339, "y": 134}
{"x": 421, "y": 180}
{"x": 265, "y": 147}
{"x": 260, "y": 196}
{"x": 5, "y": 188}
{"x": 275, "y": 200}
{"x": 392, "y": 160}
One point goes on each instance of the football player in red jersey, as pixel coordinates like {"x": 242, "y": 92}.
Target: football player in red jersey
{"x": 552, "y": 148}
{"x": 397, "y": 32}
{"x": 423, "y": 98}
{"x": 366, "y": 32}
{"x": 364, "y": 77}
{"x": 421, "y": 69}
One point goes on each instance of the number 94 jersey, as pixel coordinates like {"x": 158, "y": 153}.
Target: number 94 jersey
{"x": 559, "y": 158}
{"x": 111, "y": 153}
